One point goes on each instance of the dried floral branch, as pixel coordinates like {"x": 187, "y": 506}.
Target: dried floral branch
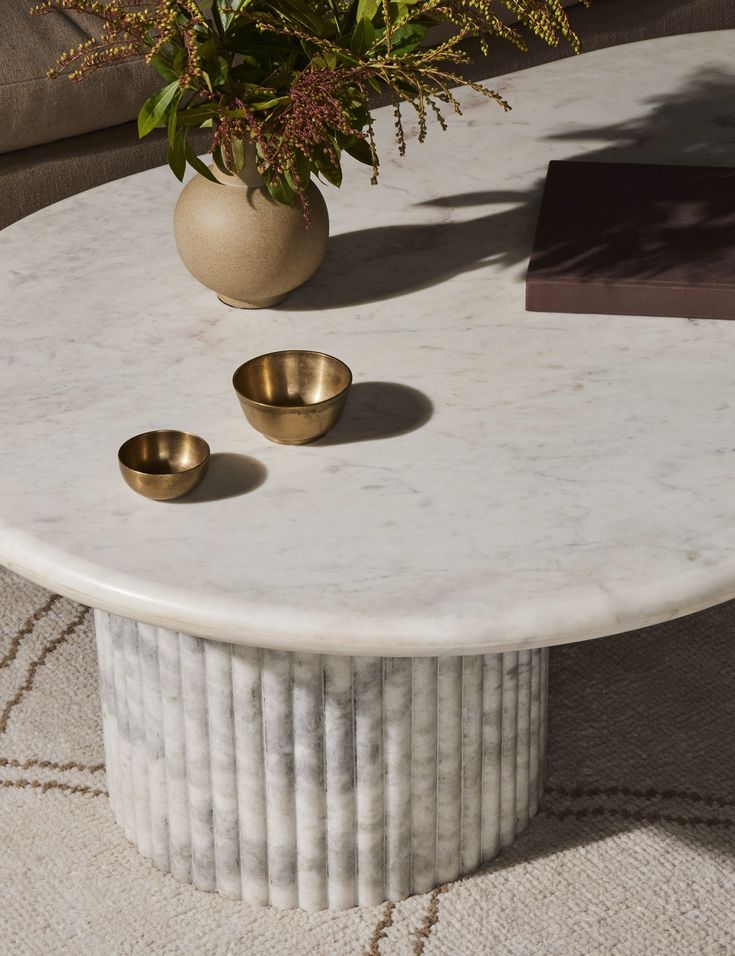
{"x": 297, "y": 76}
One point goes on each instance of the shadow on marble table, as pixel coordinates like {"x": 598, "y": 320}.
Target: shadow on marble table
{"x": 384, "y": 262}
{"x": 694, "y": 125}
{"x": 229, "y": 475}
{"x": 377, "y": 410}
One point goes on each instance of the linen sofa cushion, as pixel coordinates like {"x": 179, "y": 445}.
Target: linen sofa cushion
{"x": 37, "y": 110}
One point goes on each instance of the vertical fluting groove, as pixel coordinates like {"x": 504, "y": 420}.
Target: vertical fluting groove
{"x": 356, "y": 781}
{"x": 482, "y": 755}
{"x": 449, "y": 768}
{"x": 116, "y": 735}
{"x": 198, "y": 760}
{"x": 136, "y": 732}
{"x": 311, "y": 851}
{"x": 423, "y": 774}
{"x": 368, "y": 705}
{"x": 383, "y": 724}
{"x": 292, "y": 730}
{"x": 109, "y": 717}
{"x": 535, "y": 742}
{"x": 509, "y": 749}
{"x": 295, "y": 779}
{"x": 238, "y": 771}
{"x": 436, "y": 780}
{"x": 126, "y": 803}
{"x": 397, "y": 757}
{"x": 218, "y": 662}
{"x": 249, "y": 738}
{"x": 461, "y": 756}
{"x": 154, "y": 745}
{"x": 523, "y": 740}
{"x": 409, "y": 744}
{"x": 279, "y": 778}
{"x": 492, "y": 727}
{"x": 544, "y": 718}
{"x": 471, "y": 763}
{"x": 174, "y": 743}
{"x": 340, "y": 783}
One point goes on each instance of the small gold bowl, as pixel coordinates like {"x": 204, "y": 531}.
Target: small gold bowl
{"x": 164, "y": 464}
{"x": 293, "y": 397}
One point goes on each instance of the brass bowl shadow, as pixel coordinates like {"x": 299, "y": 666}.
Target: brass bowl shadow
{"x": 164, "y": 464}
{"x": 293, "y": 397}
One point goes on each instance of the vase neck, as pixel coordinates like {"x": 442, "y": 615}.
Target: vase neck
{"x": 249, "y": 173}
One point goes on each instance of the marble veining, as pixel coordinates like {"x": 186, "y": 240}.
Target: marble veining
{"x": 574, "y": 478}
{"x": 317, "y": 781}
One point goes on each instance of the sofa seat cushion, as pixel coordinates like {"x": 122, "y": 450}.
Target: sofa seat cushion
{"x": 37, "y": 110}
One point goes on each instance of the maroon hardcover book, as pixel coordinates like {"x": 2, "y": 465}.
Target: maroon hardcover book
{"x": 633, "y": 239}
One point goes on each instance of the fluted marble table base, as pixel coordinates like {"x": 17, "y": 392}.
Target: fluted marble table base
{"x": 292, "y": 779}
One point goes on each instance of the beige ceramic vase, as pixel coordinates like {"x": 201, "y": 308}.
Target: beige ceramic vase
{"x": 249, "y": 249}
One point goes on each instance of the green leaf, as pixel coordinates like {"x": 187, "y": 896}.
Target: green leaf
{"x": 234, "y": 6}
{"x": 407, "y": 38}
{"x": 199, "y": 166}
{"x": 344, "y": 57}
{"x": 375, "y": 83}
{"x": 330, "y": 172}
{"x": 154, "y": 108}
{"x": 196, "y": 115}
{"x": 219, "y": 161}
{"x": 172, "y": 125}
{"x": 302, "y": 172}
{"x": 280, "y": 190}
{"x": 269, "y": 104}
{"x": 217, "y": 18}
{"x": 363, "y": 37}
{"x": 177, "y": 154}
{"x": 360, "y": 150}
{"x": 326, "y": 60}
{"x": 163, "y": 69}
{"x": 221, "y": 77}
{"x": 238, "y": 154}
{"x": 366, "y": 9}
{"x": 302, "y": 13}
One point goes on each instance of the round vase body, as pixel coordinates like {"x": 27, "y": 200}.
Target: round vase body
{"x": 238, "y": 241}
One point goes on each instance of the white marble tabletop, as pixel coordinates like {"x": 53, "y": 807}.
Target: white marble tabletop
{"x": 501, "y": 479}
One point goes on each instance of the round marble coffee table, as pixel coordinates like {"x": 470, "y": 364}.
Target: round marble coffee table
{"x": 360, "y": 713}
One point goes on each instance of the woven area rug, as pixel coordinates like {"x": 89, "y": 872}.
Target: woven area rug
{"x": 633, "y": 851}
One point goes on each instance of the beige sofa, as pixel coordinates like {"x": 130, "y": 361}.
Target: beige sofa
{"x": 58, "y": 138}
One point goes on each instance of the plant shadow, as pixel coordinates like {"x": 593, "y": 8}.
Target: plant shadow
{"x": 228, "y": 476}
{"x": 376, "y": 410}
{"x": 691, "y": 126}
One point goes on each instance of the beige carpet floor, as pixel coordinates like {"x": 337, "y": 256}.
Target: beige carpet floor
{"x": 633, "y": 851}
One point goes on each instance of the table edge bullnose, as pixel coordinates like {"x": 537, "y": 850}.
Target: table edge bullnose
{"x": 546, "y": 623}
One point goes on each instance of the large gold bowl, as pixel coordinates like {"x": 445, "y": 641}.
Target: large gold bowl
{"x": 293, "y": 397}
{"x": 164, "y": 464}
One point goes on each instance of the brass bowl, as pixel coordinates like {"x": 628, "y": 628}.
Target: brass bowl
{"x": 293, "y": 397}
{"x": 164, "y": 464}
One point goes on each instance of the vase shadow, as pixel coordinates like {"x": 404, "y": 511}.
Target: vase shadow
{"x": 376, "y": 410}
{"x": 385, "y": 262}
